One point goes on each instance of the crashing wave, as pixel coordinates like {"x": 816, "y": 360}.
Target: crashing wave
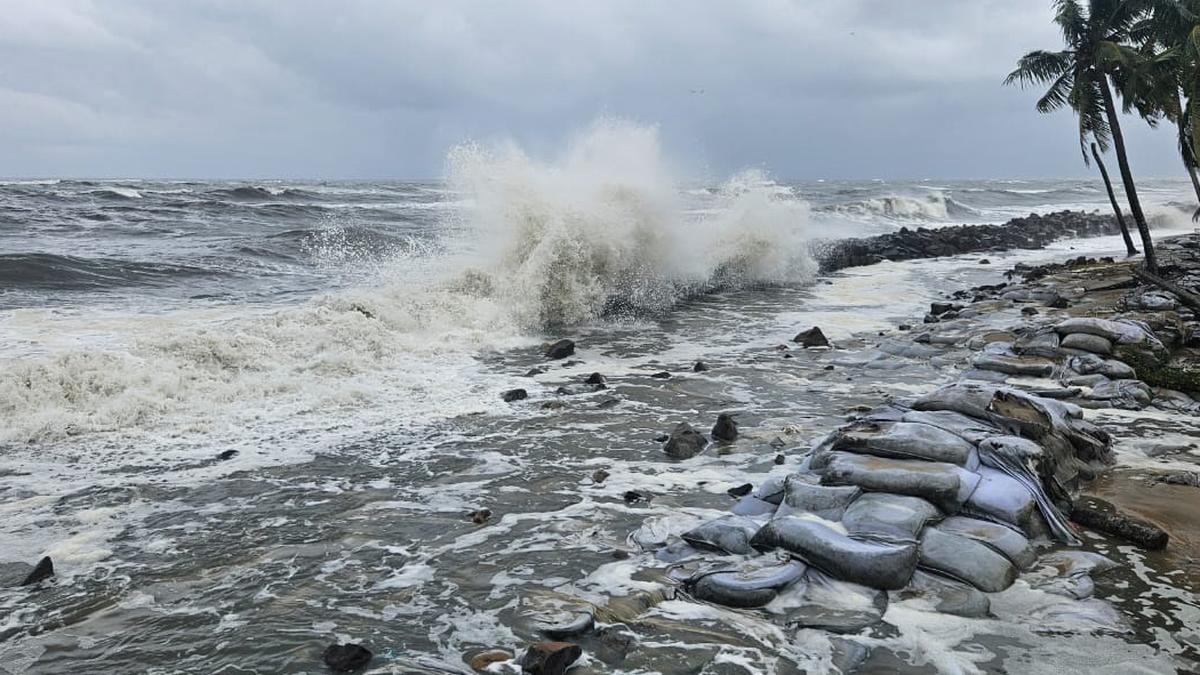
{"x": 933, "y": 208}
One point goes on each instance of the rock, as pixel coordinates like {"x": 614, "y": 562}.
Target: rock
{"x": 535, "y": 371}
{"x": 940, "y": 308}
{"x": 599, "y": 476}
{"x": 1029, "y": 311}
{"x": 559, "y": 349}
{"x": 514, "y": 395}
{"x": 553, "y": 405}
{"x": 985, "y": 261}
{"x": 813, "y": 337}
{"x": 684, "y": 442}
{"x": 633, "y": 497}
{"x": 596, "y": 380}
{"x": 482, "y": 660}
{"x": 43, "y": 570}
{"x": 480, "y": 516}
{"x": 346, "y": 658}
{"x": 608, "y": 402}
{"x": 740, "y": 491}
{"x": 700, "y": 367}
{"x": 726, "y": 428}
{"x": 929, "y": 318}
{"x": 904, "y": 326}
{"x": 226, "y": 454}
{"x": 550, "y": 658}
{"x": 1058, "y": 302}
{"x": 780, "y": 459}
{"x": 1103, "y": 517}
{"x": 662, "y": 375}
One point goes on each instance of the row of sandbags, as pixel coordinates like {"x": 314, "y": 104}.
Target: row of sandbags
{"x": 939, "y": 500}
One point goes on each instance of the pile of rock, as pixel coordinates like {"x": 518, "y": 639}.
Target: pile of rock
{"x": 1031, "y": 232}
{"x": 943, "y": 500}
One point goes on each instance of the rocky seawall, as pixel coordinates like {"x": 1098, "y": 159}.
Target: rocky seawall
{"x": 1030, "y": 232}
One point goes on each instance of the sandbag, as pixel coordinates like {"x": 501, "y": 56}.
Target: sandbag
{"x": 1123, "y": 394}
{"x": 1025, "y": 463}
{"x": 1000, "y": 497}
{"x": 966, "y": 560}
{"x": 824, "y": 602}
{"x": 903, "y": 440}
{"x": 1093, "y": 364}
{"x": 803, "y": 493}
{"x": 753, "y": 583}
{"x": 727, "y": 534}
{"x": 1045, "y": 344}
{"x": 1003, "y": 539}
{"x": 968, "y": 428}
{"x": 1030, "y": 366}
{"x": 885, "y": 517}
{"x": 751, "y": 506}
{"x": 946, "y": 485}
{"x": 946, "y": 595}
{"x": 1122, "y": 332}
{"x": 877, "y": 565}
{"x": 771, "y": 489}
{"x": 1088, "y": 343}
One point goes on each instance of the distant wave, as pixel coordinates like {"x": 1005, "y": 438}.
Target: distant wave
{"x": 50, "y": 271}
{"x": 118, "y": 193}
{"x": 250, "y": 193}
{"x": 934, "y": 207}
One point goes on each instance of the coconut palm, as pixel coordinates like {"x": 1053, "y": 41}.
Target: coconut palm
{"x": 1078, "y": 78}
{"x": 1112, "y": 199}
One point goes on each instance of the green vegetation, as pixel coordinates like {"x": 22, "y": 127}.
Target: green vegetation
{"x": 1148, "y": 52}
{"x": 1158, "y": 372}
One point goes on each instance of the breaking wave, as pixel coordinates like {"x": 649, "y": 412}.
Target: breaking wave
{"x": 601, "y": 229}
{"x": 934, "y": 207}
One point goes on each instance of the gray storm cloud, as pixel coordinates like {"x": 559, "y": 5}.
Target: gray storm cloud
{"x": 367, "y": 88}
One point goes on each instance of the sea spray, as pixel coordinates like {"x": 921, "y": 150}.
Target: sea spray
{"x": 602, "y": 229}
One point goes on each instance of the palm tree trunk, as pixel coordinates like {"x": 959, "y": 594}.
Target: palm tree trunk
{"x": 1114, "y": 124}
{"x": 1112, "y": 199}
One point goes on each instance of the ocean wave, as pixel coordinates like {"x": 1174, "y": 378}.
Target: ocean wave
{"x": 118, "y": 193}
{"x": 933, "y": 207}
{"x": 251, "y": 193}
{"x": 62, "y": 272}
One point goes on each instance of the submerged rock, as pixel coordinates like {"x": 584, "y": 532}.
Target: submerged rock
{"x": 559, "y": 349}
{"x": 43, "y": 570}
{"x": 684, "y": 442}
{"x": 346, "y": 658}
{"x": 1101, "y": 516}
{"x": 514, "y": 395}
{"x": 482, "y": 660}
{"x": 550, "y": 658}
{"x": 699, "y": 367}
{"x": 596, "y": 380}
{"x": 726, "y": 428}
{"x": 813, "y": 337}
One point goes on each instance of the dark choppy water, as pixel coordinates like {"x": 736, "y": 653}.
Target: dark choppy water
{"x": 350, "y": 341}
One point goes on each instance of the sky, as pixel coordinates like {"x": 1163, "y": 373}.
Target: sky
{"x": 803, "y": 89}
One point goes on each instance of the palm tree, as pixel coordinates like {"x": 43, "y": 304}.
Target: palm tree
{"x": 1079, "y": 79}
{"x": 1112, "y": 199}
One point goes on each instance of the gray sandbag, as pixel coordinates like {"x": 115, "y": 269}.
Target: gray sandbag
{"x": 1025, "y": 463}
{"x": 1000, "y": 497}
{"x": 1045, "y": 344}
{"x": 803, "y": 493}
{"x": 969, "y": 429}
{"x": 946, "y": 485}
{"x": 824, "y": 602}
{"x": 946, "y": 595}
{"x": 886, "y": 566}
{"x": 882, "y": 516}
{"x": 753, "y": 583}
{"x": 727, "y": 534}
{"x": 903, "y": 440}
{"x": 1122, "y": 332}
{"x": 751, "y": 506}
{"x": 771, "y": 490}
{"x": 1070, "y": 573}
{"x": 1005, "y": 540}
{"x": 966, "y": 560}
{"x": 1088, "y": 343}
{"x": 1093, "y": 364}
{"x": 1085, "y": 380}
{"x": 1123, "y": 394}
{"x": 1031, "y": 366}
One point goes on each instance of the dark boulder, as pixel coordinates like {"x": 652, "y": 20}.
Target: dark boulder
{"x": 550, "y": 658}
{"x": 596, "y": 380}
{"x": 43, "y": 570}
{"x": 813, "y": 337}
{"x": 684, "y": 442}
{"x": 662, "y": 375}
{"x": 514, "y": 395}
{"x": 1103, "y": 517}
{"x": 940, "y": 308}
{"x": 726, "y": 428}
{"x": 346, "y": 658}
{"x": 226, "y": 454}
{"x": 560, "y": 349}
{"x": 700, "y": 367}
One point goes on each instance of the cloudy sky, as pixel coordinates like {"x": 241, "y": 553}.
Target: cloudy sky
{"x": 382, "y": 88}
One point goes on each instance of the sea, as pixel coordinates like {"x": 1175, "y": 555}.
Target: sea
{"x": 249, "y": 418}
